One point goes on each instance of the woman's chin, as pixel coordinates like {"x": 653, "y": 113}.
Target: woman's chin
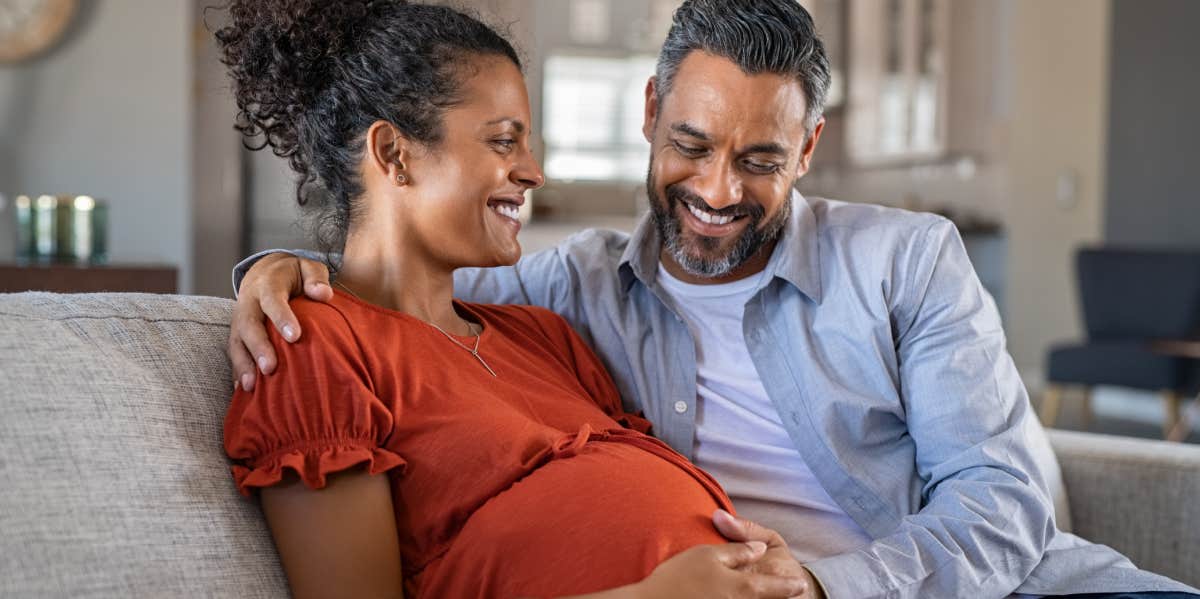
{"x": 510, "y": 257}
{"x": 506, "y": 254}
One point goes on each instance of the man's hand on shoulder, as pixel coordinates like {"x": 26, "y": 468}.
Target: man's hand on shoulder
{"x": 264, "y": 292}
{"x": 778, "y": 560}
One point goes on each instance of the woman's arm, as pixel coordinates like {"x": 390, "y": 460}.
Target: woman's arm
{"x": 339, "y": 541}
{"x": 714, "y": 571}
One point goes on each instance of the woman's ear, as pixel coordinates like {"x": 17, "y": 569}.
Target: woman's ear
{"x": 387, "y": 151}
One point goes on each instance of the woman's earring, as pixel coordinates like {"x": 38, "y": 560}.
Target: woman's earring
{"x": 401, "y": 178}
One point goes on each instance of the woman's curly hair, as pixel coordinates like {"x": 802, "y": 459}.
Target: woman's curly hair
{"x": 311, "y": 76}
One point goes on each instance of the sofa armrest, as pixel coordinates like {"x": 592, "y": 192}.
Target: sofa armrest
{"x": 1138, "y": 496}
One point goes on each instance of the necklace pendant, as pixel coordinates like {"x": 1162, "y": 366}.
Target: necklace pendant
{"x": 485, "y": 364}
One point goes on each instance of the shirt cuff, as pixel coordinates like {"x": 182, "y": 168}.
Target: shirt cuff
{"x": 239, "y": 271}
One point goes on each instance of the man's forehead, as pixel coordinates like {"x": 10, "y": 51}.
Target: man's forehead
{"x": 710, "y": 91}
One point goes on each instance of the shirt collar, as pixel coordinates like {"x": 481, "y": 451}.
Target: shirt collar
{"x": 796, "y": 258}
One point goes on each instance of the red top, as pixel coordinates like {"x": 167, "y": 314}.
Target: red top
{"x": 531, "y": 483}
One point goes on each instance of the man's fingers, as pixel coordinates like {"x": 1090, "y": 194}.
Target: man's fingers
{"x": 279, "y": 311}
{"x": 243, "y": 364}
{"x": 314, "y": 278}
{"x": 254, "y": 337}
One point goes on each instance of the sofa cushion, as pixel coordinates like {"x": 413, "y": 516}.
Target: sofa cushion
{"x": 113, "y": 480}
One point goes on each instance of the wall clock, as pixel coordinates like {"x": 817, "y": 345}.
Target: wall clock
{"x": 29, "y": 27}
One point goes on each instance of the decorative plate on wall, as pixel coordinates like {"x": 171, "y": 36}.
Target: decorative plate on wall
{"x": 29, "y": 27}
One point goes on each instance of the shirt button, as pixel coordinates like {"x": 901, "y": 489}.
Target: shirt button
{"x": 680, "y": 407}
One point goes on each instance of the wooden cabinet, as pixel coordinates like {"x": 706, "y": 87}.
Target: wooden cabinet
{"x": 69, "y": 278}
{"x": 896, "y": 110}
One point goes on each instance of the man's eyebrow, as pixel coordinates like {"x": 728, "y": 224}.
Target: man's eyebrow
{"x": 759, "y": 148}
{"x": 688, "y": 129}
{"x": 765, "y": 148}
{"x": 517, "y": 124}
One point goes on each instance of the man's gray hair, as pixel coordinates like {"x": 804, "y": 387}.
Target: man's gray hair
{"x": 760, "y": 36}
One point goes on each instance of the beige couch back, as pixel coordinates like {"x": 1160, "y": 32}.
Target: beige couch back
{"x": 113, "y": 480}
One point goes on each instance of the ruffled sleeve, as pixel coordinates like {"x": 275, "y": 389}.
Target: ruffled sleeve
{"x": 317, "y": 414}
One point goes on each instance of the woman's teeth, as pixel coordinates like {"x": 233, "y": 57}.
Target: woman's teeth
{"x": 709, "y": 218}
{"x": 507, "y": 210}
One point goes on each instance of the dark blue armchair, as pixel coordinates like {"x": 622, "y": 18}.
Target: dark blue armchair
{"x": 1133, "y": 301}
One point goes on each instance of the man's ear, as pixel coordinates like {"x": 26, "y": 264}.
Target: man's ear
{"x": 810, "y": 147}
{"x": 650, "y": 118}
{"x": 387, "y": 150}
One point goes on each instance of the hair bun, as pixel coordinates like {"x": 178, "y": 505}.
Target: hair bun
{"x": 289, "y": 46}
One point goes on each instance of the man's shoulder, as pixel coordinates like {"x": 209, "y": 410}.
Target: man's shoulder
{"x": 595, "y": 248}
{"x": 598, "y": 238}
{"x": 837, "y": 217}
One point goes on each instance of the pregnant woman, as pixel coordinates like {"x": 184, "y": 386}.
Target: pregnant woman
{"x": 411, "y": 443}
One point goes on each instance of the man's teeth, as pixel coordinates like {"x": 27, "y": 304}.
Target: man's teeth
{"x": 507, "y": 210}
{"x": 711, "y": 219}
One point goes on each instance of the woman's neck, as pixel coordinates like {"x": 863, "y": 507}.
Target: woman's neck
{"x": 379, "y": 268}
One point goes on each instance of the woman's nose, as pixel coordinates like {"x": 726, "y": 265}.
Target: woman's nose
{"x": 528, "y": 173}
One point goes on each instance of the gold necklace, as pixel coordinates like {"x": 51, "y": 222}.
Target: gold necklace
{"x": 470, "y": 326}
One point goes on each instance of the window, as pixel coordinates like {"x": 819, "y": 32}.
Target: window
{"x": 593, "y": 117}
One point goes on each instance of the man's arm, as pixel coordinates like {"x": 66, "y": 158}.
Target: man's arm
{"x": 986, "y": 512}
{"x": 265, "y": 282}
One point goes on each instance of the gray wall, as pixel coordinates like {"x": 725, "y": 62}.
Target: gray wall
{"x": 1154, "y": 124}
{"x": 108, "y": 114}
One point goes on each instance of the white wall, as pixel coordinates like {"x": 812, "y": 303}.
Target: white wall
{"x": 1059, "y": 100}
{"x": 108, "y": 114}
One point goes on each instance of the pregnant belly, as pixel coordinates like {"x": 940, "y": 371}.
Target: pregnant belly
{"x": 601, "y": 514}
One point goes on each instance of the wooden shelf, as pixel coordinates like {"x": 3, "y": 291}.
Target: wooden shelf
{"x": 72, "y": 278}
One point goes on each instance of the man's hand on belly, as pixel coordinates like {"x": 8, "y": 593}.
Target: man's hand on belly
{"x": 778, "y": 560}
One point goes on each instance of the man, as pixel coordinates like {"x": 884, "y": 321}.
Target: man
{"x": 837, "y": 367}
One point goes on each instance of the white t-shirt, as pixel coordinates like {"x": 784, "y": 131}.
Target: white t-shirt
{"x": 740, "y": 439}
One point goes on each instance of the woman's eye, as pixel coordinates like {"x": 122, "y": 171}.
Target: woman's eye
{"x": 504, "y": 144}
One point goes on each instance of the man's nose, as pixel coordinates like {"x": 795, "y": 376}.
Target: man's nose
{"x": 717, "y": 185}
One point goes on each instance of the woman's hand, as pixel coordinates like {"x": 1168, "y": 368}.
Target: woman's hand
{"x": 777, "y": 560}
{"x": 718, "y": 572}
{"x": 265, "y": 291}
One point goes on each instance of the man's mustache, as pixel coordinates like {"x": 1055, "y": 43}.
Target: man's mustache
{"x": 678, "y": 193}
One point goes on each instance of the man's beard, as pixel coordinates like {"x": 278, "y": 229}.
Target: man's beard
{"x": 701, "y": 263}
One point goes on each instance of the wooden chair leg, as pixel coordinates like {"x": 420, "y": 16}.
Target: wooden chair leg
{"x": 1051, "y": 402}
{"x": 1182, "y": 428}
{"x": 1174, "y": 412}
{"x": 1089, "y": 416}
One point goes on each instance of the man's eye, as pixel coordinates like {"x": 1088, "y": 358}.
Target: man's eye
{"x": 762, "y": 168}
{"x": 504, "y": 144}
{"x": 687, "y": 150}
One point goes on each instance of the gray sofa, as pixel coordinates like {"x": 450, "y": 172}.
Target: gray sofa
{"x": 113, "y": 482}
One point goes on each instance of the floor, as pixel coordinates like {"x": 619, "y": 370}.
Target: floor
{"x": 1071, "y": 418}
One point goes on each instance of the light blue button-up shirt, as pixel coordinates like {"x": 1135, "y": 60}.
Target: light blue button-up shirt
{"x": 886, "y": 360}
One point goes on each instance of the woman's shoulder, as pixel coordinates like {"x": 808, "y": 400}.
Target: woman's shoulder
{"x": 333, "y": 313}
{"x": 332, "y": 324}
{"x": 534, "y": 315}
{"x": 533, "y": 322}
